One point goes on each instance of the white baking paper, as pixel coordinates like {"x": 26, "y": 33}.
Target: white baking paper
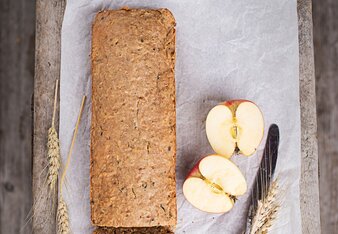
{"x": 225, "y": 50}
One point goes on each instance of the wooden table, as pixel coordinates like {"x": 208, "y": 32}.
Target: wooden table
{"x": 49, "y": 15}
{"x": 325, "y": 15}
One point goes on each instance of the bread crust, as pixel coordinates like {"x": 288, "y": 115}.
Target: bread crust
{"x": 133, "y": 128}
{"x": 147, "y": 230}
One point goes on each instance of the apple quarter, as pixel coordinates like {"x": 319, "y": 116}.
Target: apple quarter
{"x": 214, "y": 184}
{"x": 235, "y": 126}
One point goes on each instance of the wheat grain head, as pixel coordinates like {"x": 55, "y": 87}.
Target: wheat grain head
{"x": 53, "y": 155}
{"x": 62, "y": 217}
{"x": 53, "y": 149}
{"x": 266, "y": 211}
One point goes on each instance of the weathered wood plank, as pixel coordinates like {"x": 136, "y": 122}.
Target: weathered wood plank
{"x": 17, "y": 26}
{"x": 49, "y": 15}
{"x": 309, "y": 190}
{"x": 325, "y": 15}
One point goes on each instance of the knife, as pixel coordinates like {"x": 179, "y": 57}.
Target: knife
{"x": 265, "y": 172}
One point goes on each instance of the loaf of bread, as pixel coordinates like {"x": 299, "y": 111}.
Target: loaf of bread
{"x": 133, "y": 129}
{"x": 147, "y": 230}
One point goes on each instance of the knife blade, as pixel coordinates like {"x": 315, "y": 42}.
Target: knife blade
{"x": 265, "y": 172}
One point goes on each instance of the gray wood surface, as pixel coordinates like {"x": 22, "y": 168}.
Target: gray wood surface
{"x": 325, "y": 14}
{"x": 49, "y": 15}
{"x": 17, "y": 24}
{"x": 309, "y": 187}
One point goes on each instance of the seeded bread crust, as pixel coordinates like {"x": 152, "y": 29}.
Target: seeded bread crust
{"x": 133, "y": 129}
{"x": 148, "y": 230}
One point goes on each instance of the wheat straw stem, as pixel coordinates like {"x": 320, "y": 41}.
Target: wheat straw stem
{"x": 53, "y": 146}
{"x": 72, "y": 144}
{"x": 55, "y": 101}
{"x": 62, "y": 212}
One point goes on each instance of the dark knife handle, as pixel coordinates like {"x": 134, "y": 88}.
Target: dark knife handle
{"x": 268, "y": 163}
{"x": 265, "y": 172}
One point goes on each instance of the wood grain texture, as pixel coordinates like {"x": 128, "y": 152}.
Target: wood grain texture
{"x": 49, "y": 15}
{"x": 48, "y": 32}
{"x": 309, "y": 190}
{"x": 325, "y": 15}
{"x": 17, "y": 23}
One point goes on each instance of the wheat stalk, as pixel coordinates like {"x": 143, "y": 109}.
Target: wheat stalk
{"x": 53, "y": 149}
{"x": 266, "y": 211}
{"x": 47, "y": 192}
{"x": 62, "y": 217}
{"x": 62, "y": 211}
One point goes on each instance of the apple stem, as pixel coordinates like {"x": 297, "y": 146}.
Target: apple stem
{"x": 232, "y": 197}
{"x": 218, "y": 189}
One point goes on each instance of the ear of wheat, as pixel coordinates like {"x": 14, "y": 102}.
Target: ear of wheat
{"x": 266, "y": 211}
{"x": 53, "y": 158}
{"x": 62, "y": 211}
{"x": 45, "y": 200}
{"x": 53, "y": 150}
{"x": 62, "y": 217}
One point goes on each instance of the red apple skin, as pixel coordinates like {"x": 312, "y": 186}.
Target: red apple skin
{"x": 195, "y": 171}
{"x": 233, "y": 104}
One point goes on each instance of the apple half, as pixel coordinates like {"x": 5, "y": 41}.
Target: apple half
{"x": 235, "y": 126}
{"x": 213, "y": 184}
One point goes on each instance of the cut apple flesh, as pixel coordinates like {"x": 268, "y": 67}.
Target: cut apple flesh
{"x": 235, "y": 126}
{"x": 219, "y": 128}
{"x": 200, "y": 195}
{"x": 251, "y": 123}
{"x": 219, "y": 182}
{"x": 224, "y": 173}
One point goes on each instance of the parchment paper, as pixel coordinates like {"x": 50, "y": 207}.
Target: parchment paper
{"x": 225, "y": 50}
